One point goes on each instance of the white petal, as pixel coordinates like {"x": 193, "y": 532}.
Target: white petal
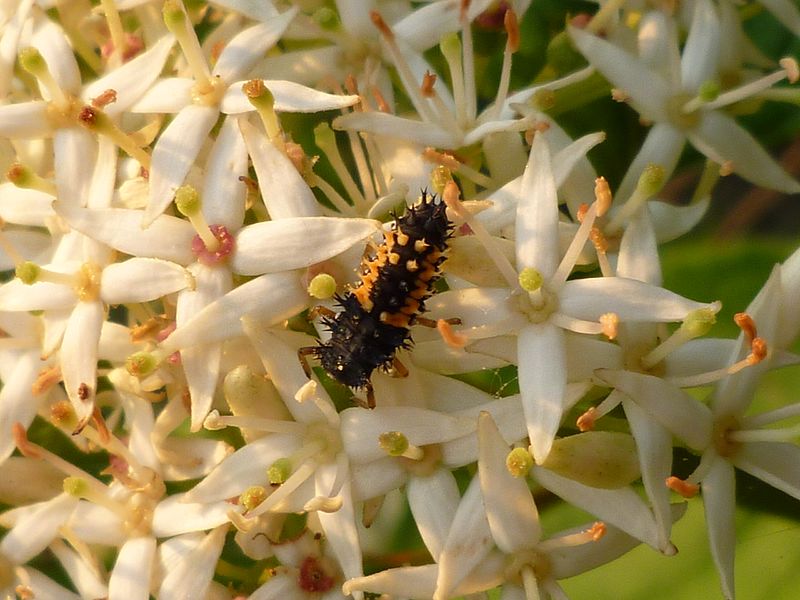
{"x": 23, "y": 206}
{"x": 84, "y": 574}
{"x": 289, "y": 97}
{"x": 701, "y": 50}
{"x": 295, "y": 243}
{"x": 200, "y": 456}
{"x": 648, "y": 91}
{"x": 245, "y": 467}
{"x": 340, "y": 526}
{"x": 224, "y": 193}
{"x": 241, "y": 53}
{"x": 537, "y": 213}
{"x": 638, "y": 251}
{"x": 662, "y": 147}
{"x": 79, "y": 356}
{"x": 168, "y": 238}
{"x": 130, "y": 577}
{"x": 622, "y": 508}
{"x": 175, "y": 516}
{"x": 481, "y": 131}
{"x": 173, "y": 155}
{"x": 720, "y": 138}
{"x": 16, "y": 402}
{"x": 75, "y": 150}
{"x": 284, "y": 191}
{"x": 258, "y": 10}
{"x": 192, "y": 575}
{"x": 542, "y": 382}
{"x": 47, "y": 589}
{"x": 433, "y": 501}
{"x": 361, "y": 429}
{"x": 377, "y": 478}
{"x": 786, "y": 12}
{"x": 631, "y": 300}
{"x": 401, "y": 582}
{"x": 25, "y": 120}
{"x": 510, "y": 509}
{"x": 142, "y": 280}
{"x": 672, "y": 221}
{"x": 165, "y": 96}
{"x": 776, "y": 463}
{"x": 52, "y": 43}
{"x": 719, "y": 502}
{"x": 36, "y": 528}
{"x": 270, "y": 298}
{"x": 133, "y": 78}
{"x": 684, "y": 416}
{"x": 468, "y": 542}
{"x": 426, "y": 134}
{"x": 484, "y": 312}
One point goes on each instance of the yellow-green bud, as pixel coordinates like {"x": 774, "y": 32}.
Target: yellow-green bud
{"x": 141, "y": 364}
{"x": 279, "y": 471}
{"x": 327, "y": 18}
{"x": 651, "y": 180}
{"x": 518, "y": 462}
{"x": 173, "y": 14}
{"x": 601, "y": 459}
{"x": 394, "y": 443}
{"x": 32, "y": 61}
{"x": 187, "y": 200}
{"x": 543, "y": 100}
{"x": 698, "y": 322}
{"x": 76, "y": 486}
{"x": 709, "y": 91}
{"x": 252, "y": 497}
{"x": 530, "y": 279}
{"x": 322, "y": 286}
{"x": 28, "y": 272}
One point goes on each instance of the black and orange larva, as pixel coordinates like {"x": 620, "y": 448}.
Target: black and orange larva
{"x": 377, "y": 314}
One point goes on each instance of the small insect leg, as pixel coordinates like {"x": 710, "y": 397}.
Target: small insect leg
{"x": 321, "y": 311}
{"x": 432, "y": 323}
{"x": 302, "y": 356}
{"x": 400, "y": 369}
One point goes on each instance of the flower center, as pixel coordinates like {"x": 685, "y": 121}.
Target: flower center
{"x": 313, "y": 576}
{"x": 87, "y": 285}
{"x": 538, "y": 305}
{"x": 532, "y": 560}
{"x": 680, "y": 118}
{"x": 724, "y": 443}
{"x": 226, "y": 245}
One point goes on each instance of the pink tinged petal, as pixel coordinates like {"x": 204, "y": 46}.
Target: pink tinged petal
{"x": 23, "y": 206}
{"x": 168, "y": 238}
{"x": 662, "y": 146}
{"x": 37, "y": 526}
{"x": 192, "y": 575}
{"x": 718, "y": 487}
{"x": 79, "y": 356}
{"x": 75, "y": 152}
{"x": 654, "y": 446}
{"x": 25, "y": 120}
{"x": 84, "y": 575}
{"x": 433, "y": 500}
{"x": 281, "y": 245}
{"x": 175, "y": 516}
{"x": 701, "y": 51}
{"x": 270, "y": 298}
{"x": 241, "y": 53}
{"x": 130, "y": 577}
{"x": 776, "y": 463}
{"x": 339, "y": 526}
{"x": 467, "y": 544}
{"x": 537, "y": 213}
{"x": 289, "y": 97}
{"x": 622, "y": 508}
{"x": 426, "y": 134}
{"x": 51, "y": 42}
{"x": 510, "y": 509}
{"x": 542, "y": 382}
{"x": 671, "y": 221}
{"x": 142, "y": 280}
{"x": 720, "y": 138}
{"x": 173, "y": 155}
{"x": 133, "y": 78}
{"x": 631, "y": 300}
{"x": 361, "y": 429}
{"x": 245, "y": 467}
{"x": 648, "y": 91}
{"x": 165, "y": 96}
{"x": 284, "y": 191}
{"x": 684, "y": 416}
{"x": 17, "y": 405}
{"x": 224, "y": 192}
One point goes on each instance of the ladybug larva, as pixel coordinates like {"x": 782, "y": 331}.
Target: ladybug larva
{"x": 376, "y": 316}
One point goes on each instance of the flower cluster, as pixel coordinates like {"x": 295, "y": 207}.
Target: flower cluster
{"x": 191, "y": 191}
